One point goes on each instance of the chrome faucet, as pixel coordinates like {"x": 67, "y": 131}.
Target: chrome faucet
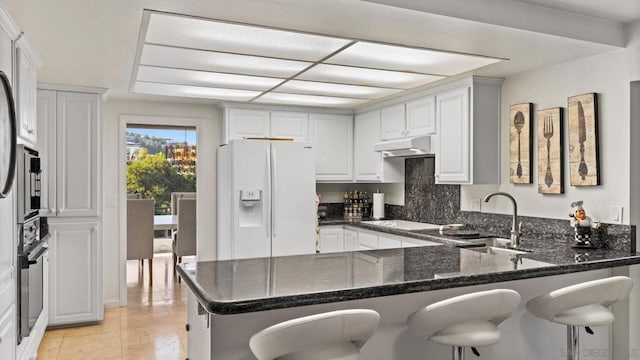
{"x": 515, "y": 227}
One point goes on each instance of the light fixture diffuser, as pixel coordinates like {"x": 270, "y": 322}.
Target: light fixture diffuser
{"x": 307, "y": 100}
{"x": 240, "y": 39}
{"x": 366, "y": 77}
{"x": 194, "y": 57}
{"x": 193, "y": 91}
{"x": 205, "y": 78}
{"x": 330, "y": 89}
{"x": 220, "y": 62}
{"x": 399, "y": 58}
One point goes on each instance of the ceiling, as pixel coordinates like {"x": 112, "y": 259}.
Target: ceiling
{"x": 96, "y": 44}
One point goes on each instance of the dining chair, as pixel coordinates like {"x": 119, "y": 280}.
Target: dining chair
{"x": 179, "y": 195}
{"x": 140, "y": 232}
{"x": 184, "y": 239}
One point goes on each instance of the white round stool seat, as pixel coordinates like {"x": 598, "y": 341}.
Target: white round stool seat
{"x": 336, "y": 335}
{"x": 590, "y": 315}
{"x": 584, "y": 304}
{"x": 470, "y": 333}
{"x": 465, "y": 320}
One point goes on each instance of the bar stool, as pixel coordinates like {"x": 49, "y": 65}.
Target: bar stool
{"x": 468, "y": 320}
{"x": 585, "y": 304}
{"x": 336, "y": 335}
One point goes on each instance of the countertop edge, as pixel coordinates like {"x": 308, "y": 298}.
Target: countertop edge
{"x": 255, "y": 305}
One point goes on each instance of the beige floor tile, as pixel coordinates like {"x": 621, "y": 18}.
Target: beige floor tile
{"x": 151, "y": 326}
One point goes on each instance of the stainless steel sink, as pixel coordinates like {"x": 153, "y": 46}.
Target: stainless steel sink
{"x": 488, "y": 241}
{"x": 494, "y": 246}
{"x": 495, "y": 250}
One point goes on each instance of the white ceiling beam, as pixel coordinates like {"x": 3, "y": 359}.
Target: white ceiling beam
{"x": 523, "y": 16}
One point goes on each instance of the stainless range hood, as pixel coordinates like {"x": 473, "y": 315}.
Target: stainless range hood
{"x": 415, "y": 146}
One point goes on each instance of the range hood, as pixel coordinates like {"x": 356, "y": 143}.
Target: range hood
{"x": 415, "y": 146}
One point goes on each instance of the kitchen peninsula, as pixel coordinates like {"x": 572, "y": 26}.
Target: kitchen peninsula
{"x": 252, "y": 294}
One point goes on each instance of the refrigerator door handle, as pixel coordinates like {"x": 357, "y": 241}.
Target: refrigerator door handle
{"x": 267, "y": 208}
{"x": 274, "y": 189}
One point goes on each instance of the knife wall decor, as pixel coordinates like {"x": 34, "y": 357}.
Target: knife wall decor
{"x": 520, "y": 154}
{"x": 550, "y": 134}
{"x": 583, "y": 140}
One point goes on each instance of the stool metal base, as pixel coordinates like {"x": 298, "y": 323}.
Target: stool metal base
{"x": 458, "y": 353}
{"x": 573, "y": 344}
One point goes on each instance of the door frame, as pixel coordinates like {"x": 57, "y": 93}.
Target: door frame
{"x": 125, "y": 119}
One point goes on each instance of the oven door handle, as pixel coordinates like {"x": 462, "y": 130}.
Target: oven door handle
{"x": 32, "y": 260}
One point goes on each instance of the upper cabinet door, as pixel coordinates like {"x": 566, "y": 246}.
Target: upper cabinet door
{"x": 392, "y": 122}
{"x": 453, "y": 152}
{"x": 333, "y": 146}
{"x": 293, "y": 125}
{"x": 26, "y": 97}
{"x": 367, "y": 132}
{"x": 421, "y": 116}
{"x": 243, "y": 123}
{"x": 77, "y": 154}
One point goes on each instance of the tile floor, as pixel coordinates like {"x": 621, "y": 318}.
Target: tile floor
{"x": 151, "y": 326}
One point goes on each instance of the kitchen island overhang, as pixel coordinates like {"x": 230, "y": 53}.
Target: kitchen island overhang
{"x": 251, "y": 285}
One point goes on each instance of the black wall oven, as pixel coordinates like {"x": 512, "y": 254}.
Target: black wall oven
{"x": 31, "y": 252}
{"x": 28, "y": 183}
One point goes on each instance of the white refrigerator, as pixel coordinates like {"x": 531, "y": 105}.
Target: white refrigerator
{"x": 266, "y": 199}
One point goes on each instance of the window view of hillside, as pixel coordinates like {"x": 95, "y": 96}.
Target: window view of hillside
{"x": 159, "y": 162}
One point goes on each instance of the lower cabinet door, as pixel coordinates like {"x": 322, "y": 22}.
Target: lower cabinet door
{"x": 8, "y": 333}
{"x": 75, "y": 273}
{"x": 198, "y": 330}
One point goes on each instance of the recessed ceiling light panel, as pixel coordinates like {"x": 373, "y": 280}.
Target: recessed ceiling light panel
{"x": 366, "y": 77}
{"x": 205, "y": 78}
{"x": 193, "y": 91}
{"x": 340, "y": 90}
{"x": 241, "y": 39}
{"x": 307, "y": 100}
{"x": 399, "y": 58}
{"x": 219, "y": 62}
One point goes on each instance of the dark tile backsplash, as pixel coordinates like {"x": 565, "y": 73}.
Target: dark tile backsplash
{"x": 424, "y": 200}
{"x": 433, "y": 203}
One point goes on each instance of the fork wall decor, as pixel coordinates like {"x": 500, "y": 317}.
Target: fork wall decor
{"x": 583, "y": 140}
{"x": 550, "y": 134}
{"x": 520, "y": 148}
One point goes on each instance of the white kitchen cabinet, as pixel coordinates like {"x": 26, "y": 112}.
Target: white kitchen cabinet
{"x": 331, "y": 239}
{"x": 75, "y": 273}
{"x": 388, "y": 241}
{"x": 367, "y": 240}
{"x": 410, "y": 119}
{"x": 392, "y": 122}
{"x": 350, "y": 239}
{"x": 27, "y": 63}
{"x": 198, "y": 329}
{"x": 333, "y": 146}
{"x": 240, "y": 123}
{"x": 370, "y": 166}
{"x": 8, "y": 333}
{"x": 468, "y": 137}
{"x": 421, "y": 116}
{"x": 71, "y": 152}
{"x": 294, "y": 125}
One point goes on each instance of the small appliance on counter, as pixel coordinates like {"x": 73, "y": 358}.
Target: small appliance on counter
{"x": 322, "y": 211}
{"x": 378, "y": 205}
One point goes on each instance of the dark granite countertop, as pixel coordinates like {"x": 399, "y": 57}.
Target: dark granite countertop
{"x": 250, "y": 285}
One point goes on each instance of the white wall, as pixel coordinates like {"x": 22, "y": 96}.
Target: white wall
{"x": 209, "y": 139}
{"x": 605, "y": 74}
